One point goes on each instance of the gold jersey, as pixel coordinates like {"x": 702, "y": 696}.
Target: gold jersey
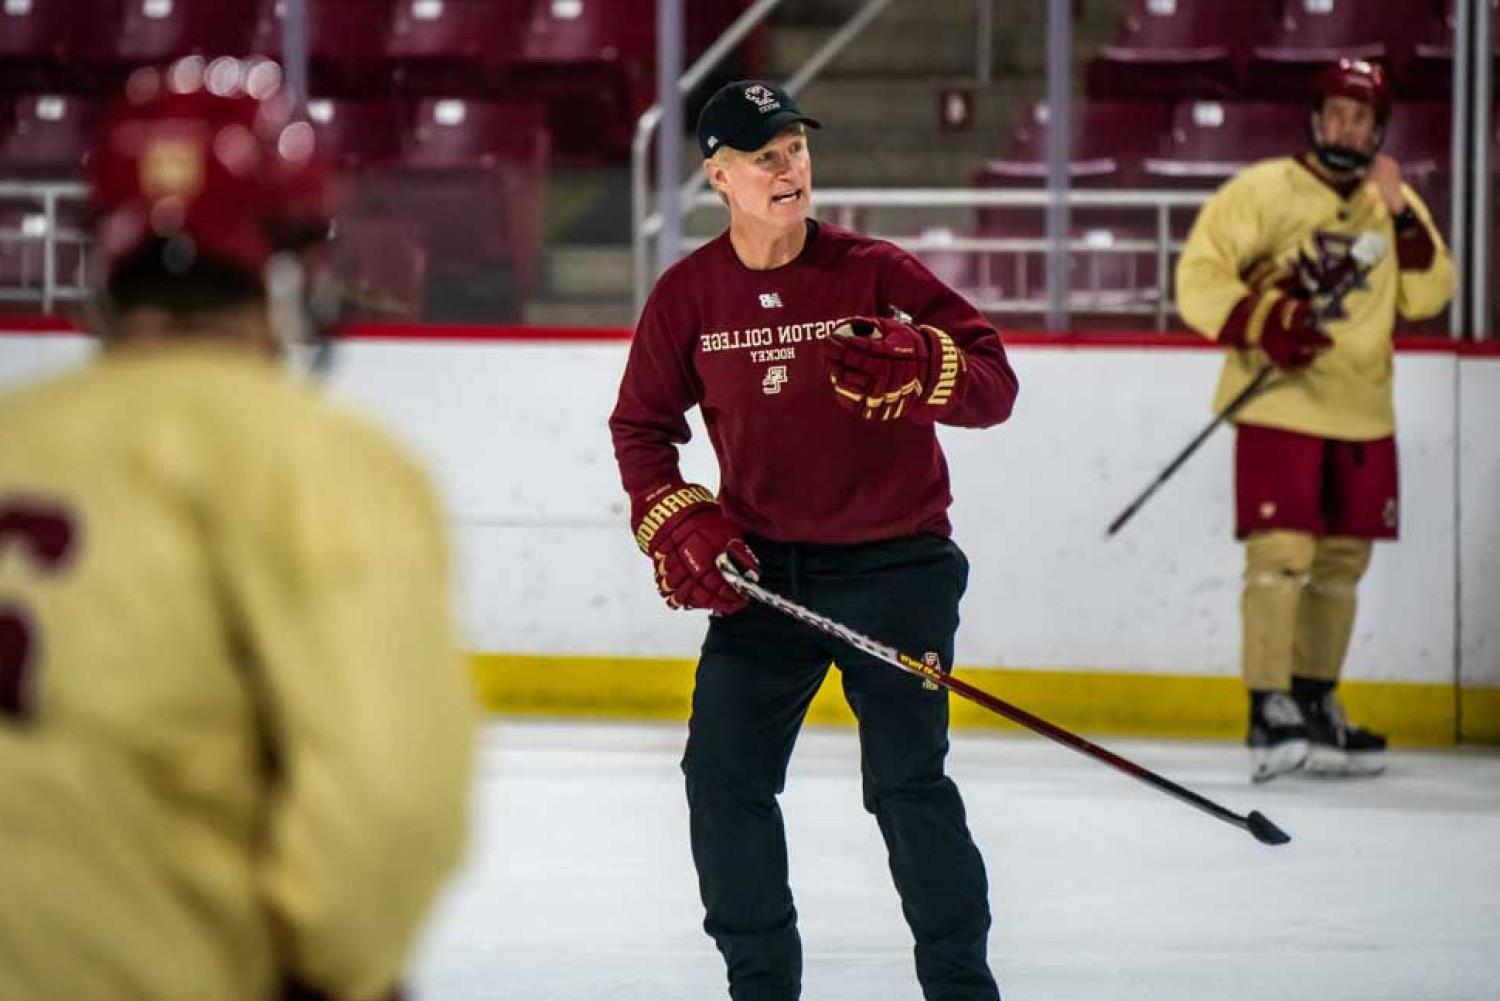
{"x": 235, "y": 726}
{"x": 1277, "y": 219}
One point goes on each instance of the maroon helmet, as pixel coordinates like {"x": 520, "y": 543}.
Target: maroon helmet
{"x": 1358, "y": 80}
{"x": 207, "y": 159}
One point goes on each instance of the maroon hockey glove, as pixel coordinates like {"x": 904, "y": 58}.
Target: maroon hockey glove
{"x": 883, "y": 369}
{"x": 1284, "y": 327}
{"x": 681, "y": 527}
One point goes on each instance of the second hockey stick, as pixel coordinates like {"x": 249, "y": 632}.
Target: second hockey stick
{"x": 1256, "y": 823}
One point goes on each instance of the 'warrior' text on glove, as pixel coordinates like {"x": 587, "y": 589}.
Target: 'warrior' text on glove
{"x": 884, "y": 369}
{"x": 682, "y": 528}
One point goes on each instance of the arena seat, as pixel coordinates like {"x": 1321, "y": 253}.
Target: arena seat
{"x": 1419, "y": 136}
{"x": 472, "y": 176}
{"x": 1310, "y": 34}
{"x": 1210, "y": 140}
{"x": 44, "y": 43}
{"x": 1429, "y": 74}
{"x": 156, "y": 31}
{"x": 48, "y": 135}
{"x": 1110, "y": 138}
{"x": 346, "y": 44}
{"x": 455, "y": 46}
{"x": 1178, "y": 48}
{"x": 358, "y": 133}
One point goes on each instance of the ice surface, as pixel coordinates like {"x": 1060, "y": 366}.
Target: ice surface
{"x": 579, "y": 883}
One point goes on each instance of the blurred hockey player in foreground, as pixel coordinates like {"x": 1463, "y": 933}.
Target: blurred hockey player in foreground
{"x": 235, "y": 727}
{"x": 1315, "y": 459}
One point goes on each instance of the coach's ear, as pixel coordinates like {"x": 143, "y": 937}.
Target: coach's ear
{"x": 716, "y": 173}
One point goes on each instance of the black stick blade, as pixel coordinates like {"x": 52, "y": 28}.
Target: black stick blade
{"x": 1261, "y": 828}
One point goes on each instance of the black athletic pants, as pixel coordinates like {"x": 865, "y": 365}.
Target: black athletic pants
{"x": 758, "y": 672}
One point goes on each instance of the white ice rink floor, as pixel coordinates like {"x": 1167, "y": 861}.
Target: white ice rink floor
{"x": 579, "y": 885}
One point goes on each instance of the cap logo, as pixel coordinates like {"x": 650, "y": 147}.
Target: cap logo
{"x": 171, "y": 167}
{"x": 761, "y": 96}
{"x": 713, "y": 142}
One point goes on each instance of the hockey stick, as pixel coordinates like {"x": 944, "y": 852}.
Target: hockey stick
{"x": 1255, "y": 822}
{"x": 1235, "y": 405}
{"x": 1367, "y": 252}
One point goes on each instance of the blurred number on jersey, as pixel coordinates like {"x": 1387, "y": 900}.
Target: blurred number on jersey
{"x": 42, "y": 534}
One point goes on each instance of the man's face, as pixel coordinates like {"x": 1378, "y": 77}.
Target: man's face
{"x": 772, "y": 185}
{"x": 1346, "y": 122}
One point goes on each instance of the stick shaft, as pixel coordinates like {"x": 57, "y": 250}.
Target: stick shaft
{"x": 935, "y": 674}
{"x": 1233, "y": 407}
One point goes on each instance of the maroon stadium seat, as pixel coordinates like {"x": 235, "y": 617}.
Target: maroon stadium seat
{"x": 1110, "y": 138}
{"x": 1310, "y": 34}
{"x": 1419, "y": 136}
{"x": 1178, "y": 48}
{"x": 1429, "y": 74}
{"x": 455, "y": 46}
{"x": 156, "y": 31}
{"x": 346, "y": 43}
{"x": 48, "y": 135}
{"x": 44, "y": 43}
{"x": 593, "y": 61}
{"x": 1211, "y": 140}
{"x": 358, "y": 133}
{"x": 455, "y": 133}
{"x": 472, "y": 175}
{"x": 569, "y": 32}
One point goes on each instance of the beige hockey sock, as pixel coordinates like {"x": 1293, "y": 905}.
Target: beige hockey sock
{"x": 1276, "y": 569}
{"x": 1325, "y": 617}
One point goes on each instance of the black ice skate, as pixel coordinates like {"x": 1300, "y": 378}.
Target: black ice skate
{"x": 1278, "y": 738}
{"x": 1334, "y": 746}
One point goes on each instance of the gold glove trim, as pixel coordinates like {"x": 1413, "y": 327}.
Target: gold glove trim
{"x": 951, "y": 363}
{"x": 1256, "y": 325}
{"x": 676, "y": 502}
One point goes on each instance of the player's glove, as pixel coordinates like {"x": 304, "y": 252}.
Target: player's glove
{"x": 884, "y": 369}
{"x": 1284, "y": 327}
{"x": 682, "y": 528}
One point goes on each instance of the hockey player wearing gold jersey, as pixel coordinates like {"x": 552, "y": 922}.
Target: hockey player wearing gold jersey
{"x": 1263, "y": 272}
{"x": 235, "y": 727}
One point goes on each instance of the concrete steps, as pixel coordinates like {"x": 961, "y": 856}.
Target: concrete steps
{"x": 879, "y": 104}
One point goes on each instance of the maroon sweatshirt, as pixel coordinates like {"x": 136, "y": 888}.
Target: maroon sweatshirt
{"x": 746, "y": 347}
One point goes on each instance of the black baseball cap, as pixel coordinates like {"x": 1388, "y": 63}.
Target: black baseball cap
{"x": 745, "y": 115}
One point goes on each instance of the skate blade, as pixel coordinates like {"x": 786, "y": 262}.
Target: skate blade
{"x": 1330, "y": 762}
{"x": 1267, "y": 763}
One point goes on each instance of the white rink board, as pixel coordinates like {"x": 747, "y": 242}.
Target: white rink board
{"x": 515, "y": 434}
{"x": 1479, "y": 506}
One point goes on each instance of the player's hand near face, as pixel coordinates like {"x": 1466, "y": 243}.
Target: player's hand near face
{"x": 1385, "y": 177}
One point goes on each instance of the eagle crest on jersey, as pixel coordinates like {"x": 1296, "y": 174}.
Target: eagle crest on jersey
{"x": 1325, "y": 264}
{"x": 1324, "y": 272}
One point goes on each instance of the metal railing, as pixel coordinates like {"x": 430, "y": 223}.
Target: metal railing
{"x": 844, "y": 206}
{"x": 646, "y": 225}
{"x": 32, "y": 223}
